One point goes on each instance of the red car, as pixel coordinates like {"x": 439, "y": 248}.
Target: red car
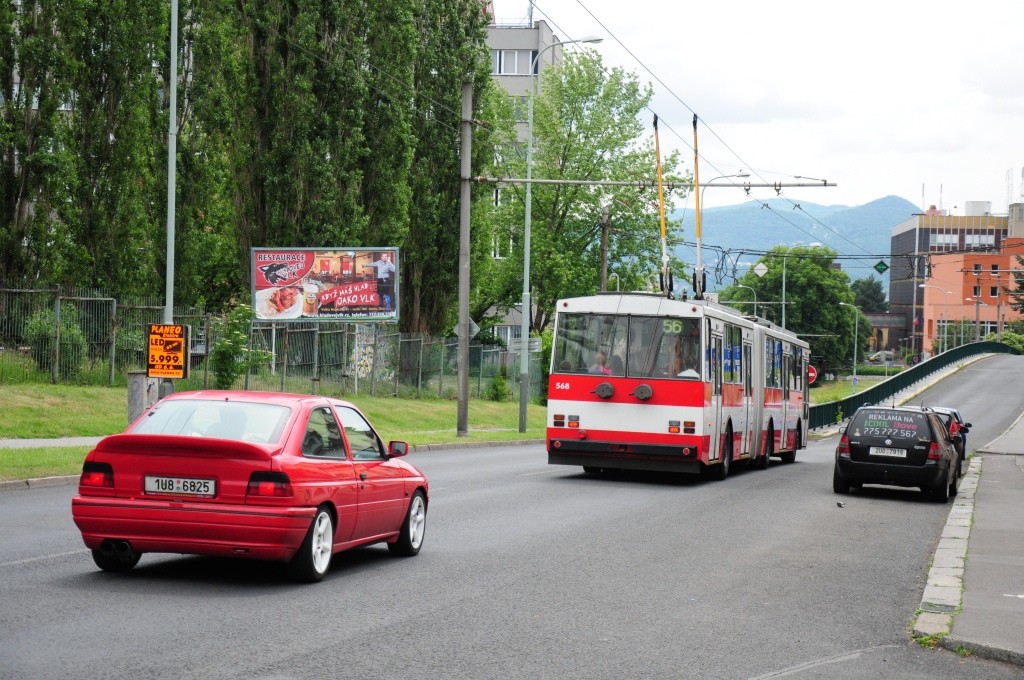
{"x": 266, "y": 476}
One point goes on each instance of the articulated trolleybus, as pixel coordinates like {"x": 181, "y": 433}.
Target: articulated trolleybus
{"x": 644, "y": 382}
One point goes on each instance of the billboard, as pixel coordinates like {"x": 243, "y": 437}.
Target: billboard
{"x": 313, "y": 284}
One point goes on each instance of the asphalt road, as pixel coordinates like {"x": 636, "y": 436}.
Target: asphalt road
{"x": 528, "y": 571}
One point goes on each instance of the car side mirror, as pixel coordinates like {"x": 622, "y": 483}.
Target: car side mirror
{"x": 965, "y": 426}
{"x": 396, "y": 448}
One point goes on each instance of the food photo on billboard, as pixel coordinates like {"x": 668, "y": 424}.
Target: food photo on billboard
{"x": 338, "y": 284}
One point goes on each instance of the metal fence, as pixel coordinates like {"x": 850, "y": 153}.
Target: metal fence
{"x": 834, "y": 412}
{"x": 79, "y": 337}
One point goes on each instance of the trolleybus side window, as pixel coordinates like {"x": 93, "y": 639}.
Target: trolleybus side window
{"x": 749, "y": 376}
{"x": 733, "y": 359}
{"x": 772, "y": 363}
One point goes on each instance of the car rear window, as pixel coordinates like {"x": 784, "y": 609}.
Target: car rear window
{"x": 890, "y": 423}
{"x": 244, "y": 421}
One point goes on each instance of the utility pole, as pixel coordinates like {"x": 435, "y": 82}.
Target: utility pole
{"x": 462, "y": 429}
{"x": 605, "y": 225}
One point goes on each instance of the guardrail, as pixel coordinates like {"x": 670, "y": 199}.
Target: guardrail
{"x": 833, "y": 412}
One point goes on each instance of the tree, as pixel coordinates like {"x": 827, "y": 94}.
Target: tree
{"x": 813, "y": 293}
{"x": 1017, "y": 292}
{"x": 300, "y": 123}
{"x": 869, "y": 295}
{"x": 587, "y": 126}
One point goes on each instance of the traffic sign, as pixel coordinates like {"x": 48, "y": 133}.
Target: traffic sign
{"x": 881, "y": 267}
{"x": 168, "y": 351}
{"x": 812, "y": 373}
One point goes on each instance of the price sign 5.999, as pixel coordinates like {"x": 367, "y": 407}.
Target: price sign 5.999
{"x": 168, "y": 351}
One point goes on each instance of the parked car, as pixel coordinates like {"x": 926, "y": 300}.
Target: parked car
{"x": 284, "y": 477}
{"x": 955, "y": 425}
{"x": 885, "y": 355}
{"x": 897, "y": 446}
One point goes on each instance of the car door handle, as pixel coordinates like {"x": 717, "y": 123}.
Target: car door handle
{"x": 362, "y": 476}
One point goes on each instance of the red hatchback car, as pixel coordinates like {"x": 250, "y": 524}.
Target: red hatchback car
{"x": 267, "y": 476}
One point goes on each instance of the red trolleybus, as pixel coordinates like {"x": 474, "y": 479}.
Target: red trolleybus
{"x": 643, "y": 382}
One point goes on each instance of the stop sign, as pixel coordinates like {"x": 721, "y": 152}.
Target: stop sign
{"x": 812, "y": 373}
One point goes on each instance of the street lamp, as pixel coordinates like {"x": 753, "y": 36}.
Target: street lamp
{"x": 524, "y": 358}
{"x": 699, "y": 274}
{"x": 856, "y": 323}
{"x": 945, "y": 326}
{"x": 740, "y": 285}
{"x": 977, "y": 316}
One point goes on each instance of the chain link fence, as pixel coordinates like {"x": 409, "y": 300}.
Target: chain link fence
{"x": 85, "y": 338}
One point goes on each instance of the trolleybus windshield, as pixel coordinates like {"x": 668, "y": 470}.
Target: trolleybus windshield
{"x": 634, "y": 346}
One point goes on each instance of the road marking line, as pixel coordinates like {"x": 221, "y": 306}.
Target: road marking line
{"x": 27, "y": 560}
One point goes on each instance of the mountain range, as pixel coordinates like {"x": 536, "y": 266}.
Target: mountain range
{"x": 734, "y": 237}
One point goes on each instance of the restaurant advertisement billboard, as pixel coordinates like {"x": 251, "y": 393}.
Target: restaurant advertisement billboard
{"x": 318, "y": 284}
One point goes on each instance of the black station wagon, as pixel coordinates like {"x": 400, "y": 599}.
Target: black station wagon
{"x": 897, "y": 447}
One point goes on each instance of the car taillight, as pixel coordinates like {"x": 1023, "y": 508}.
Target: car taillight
{"x": 97, "y": 475}
{"x": 843, "y": 449}
{"x": 934, "y": 452}
{"x": 275, "y": 484}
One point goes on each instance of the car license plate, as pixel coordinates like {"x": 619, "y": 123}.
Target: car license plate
{"x": 892, "y": 453}
{"x": 181, "y": 486}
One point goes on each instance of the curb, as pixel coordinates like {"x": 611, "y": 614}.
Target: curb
{"x": 943, "y": 592}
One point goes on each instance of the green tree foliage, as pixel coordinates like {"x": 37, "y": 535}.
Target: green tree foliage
{"x": 1017, "y": 290}
{"x": 814, "y": 291}
{"x": 231, "y": 356}
{"x": 1013, "y": 339}
{"x": 451, "y": 49}
{"x": 300, "y": 123}
{"x": 79, "y": 137}
{"x": 869, "y": 295}
{"x": 587, "y": 126}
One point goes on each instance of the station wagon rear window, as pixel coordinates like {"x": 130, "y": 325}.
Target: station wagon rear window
{"x": 891, "y": 424}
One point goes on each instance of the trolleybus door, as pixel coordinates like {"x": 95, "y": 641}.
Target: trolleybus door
{"x": 748, "y": 406}
{"x": 715, "y": 429}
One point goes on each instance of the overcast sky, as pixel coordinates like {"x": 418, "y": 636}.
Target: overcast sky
{"x": 922, "y": 99}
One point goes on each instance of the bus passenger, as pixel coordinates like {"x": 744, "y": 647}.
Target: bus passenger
{"x": 616, "y": 366}
{"x": 600, "y": 359}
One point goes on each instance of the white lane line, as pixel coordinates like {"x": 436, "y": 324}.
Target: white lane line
{"x": 29, "y": 560}
{"x": 544, "y": 472}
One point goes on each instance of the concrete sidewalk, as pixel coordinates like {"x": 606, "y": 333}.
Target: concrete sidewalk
{"x": 974, "y": 598}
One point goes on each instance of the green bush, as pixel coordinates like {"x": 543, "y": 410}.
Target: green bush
{"x": 231, "y": 357}
{"x": 498, "y": 390}
{"x": 39, "y": 336}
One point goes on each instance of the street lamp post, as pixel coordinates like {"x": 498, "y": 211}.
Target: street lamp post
{"x": 977, "y": 316}
{"x": 699, "y": 273}
{"x": 856, "y": 329}
{"x": 524, "y": 358}
{"x": 945, "y": 329}
{"x": 740, "y": 285}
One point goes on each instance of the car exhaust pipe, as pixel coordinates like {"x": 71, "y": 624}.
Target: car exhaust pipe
{"x": 120, "y": 549}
